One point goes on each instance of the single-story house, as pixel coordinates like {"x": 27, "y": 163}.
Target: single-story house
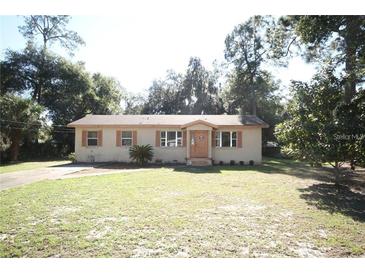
{"x": 190, "y": 139}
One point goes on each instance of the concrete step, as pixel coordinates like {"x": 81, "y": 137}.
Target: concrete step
{"x": 199, "y": 162}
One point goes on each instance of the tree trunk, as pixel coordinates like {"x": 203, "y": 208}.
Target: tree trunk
{"x": 352, "y": 29}
{"x": 253, "y": 103}
{"x": 15, "y": 144}
{"x": 39, "y": 90}
{"x": 253, "y": 94}
{"x": 352, "y": 164}
{"x": 337, "y": 173}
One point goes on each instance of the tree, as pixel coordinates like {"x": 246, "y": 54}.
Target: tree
{"x": 315, "y": 130}
{"x": 69, "y": 91}
{"x": 250, "y": 89}
{"x": 18, "y": 117}
{"x": 133, "y": 103}
{"x": 352, "y": 122}
{"x": 141, "y": 154}
{"x": 339, "y": 42}
{"x": 268, "y": 103}
{"x": 339, "y": 38}
{"x": 195, "y": 92}
{"x": 51, "y": 29}
{"x": 21, "y": 72}
{"x": 163, "y": 95}
{"x": 246, "y": 49}
{"x": 75, "y": 93}
{"x": 200, "y": 90}
{"x": 107, "y": 95}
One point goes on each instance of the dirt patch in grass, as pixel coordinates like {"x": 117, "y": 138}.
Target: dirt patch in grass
{"x": 96, "y": 234}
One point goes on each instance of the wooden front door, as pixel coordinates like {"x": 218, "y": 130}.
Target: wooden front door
{"x": 199, "y": 144}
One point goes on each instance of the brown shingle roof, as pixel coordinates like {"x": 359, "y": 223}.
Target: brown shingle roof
{"x": 167, "y": 120}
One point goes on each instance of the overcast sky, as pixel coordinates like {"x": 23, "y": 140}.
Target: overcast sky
{"x": 140, "y": 45}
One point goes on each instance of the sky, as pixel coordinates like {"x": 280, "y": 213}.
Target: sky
{"x": 141, "y": 44}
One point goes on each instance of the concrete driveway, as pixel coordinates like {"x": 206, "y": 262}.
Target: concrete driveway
{"x": 13, "y": 179}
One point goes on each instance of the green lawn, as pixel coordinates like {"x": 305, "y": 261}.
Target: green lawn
{"x": 29, "y": 165}
{"x": 280, "y": 209}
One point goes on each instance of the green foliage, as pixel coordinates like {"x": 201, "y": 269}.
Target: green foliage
{"x": 141, "y": 154}
{"x": 352, "y": 121}
{"x": 133, "y": 103}
{"x": 195, "y": 92}
{"x": 318, "y": 129}
{"x": 68, "y": 92}
{"x": 107, "y": 95}
{"x": 246, "y": 46}
{"x": 72, "y": 157}
{"x": 28, "y": 72}
{"x": 250, "y": 89}
{"x": 322, "y": 38}
{"x": 200, "y": 91}
{"x": 246, "y": 49}
{"x": 336, "y": 42}
{"x": 75, "y": 94}
{"x": 19, "y": 118}
{"x": 164, "y": 95}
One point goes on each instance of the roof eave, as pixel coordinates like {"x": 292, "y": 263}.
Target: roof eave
{"x": 74, "y": 125}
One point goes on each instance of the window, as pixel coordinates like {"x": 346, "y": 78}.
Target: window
{"x": 226, "y": 139}
{"x": 217, "y": 138}
{"x": 233, "y": 139}
{"x": 92, "y": 138}
{"x": 179, "y": 138}
{"x": 171, "y": 138}
{"x": 126, "y": 138}
{"x": 163, "y": 139}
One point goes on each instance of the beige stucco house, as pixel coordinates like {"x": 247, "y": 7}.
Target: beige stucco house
{"x": 190, "y": 139}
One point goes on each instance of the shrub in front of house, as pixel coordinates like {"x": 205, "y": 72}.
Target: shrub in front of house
{"x": 251, "y": 162}
{"x": 72, "y": 157}
{"x": 221, "y": 163}
{"x": 242, "y": 163}
{"x": 232, "y": 162}
{"x": 141, "y": 154}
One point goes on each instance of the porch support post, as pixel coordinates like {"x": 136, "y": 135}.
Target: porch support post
{"x": 210, "y": 144}
{"x": 188, "y": 143}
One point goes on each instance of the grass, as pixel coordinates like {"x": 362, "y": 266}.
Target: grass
{"x": 279, "y": 209}
{"x": 20, "y": 166}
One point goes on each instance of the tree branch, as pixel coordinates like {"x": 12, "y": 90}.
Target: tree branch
{"x": 291, "y": 42}
{"x": 37, "y": 25}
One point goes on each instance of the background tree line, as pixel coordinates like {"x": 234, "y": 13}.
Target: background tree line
{"x": 41, "y": 92}
{"x": 312, "y": 125}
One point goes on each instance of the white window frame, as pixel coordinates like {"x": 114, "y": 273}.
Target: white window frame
{"x": 230, "y": 138}
{"x": 219, "y": 138}
{"x": 126, "y": 138}
{"x": 92, "y": 138}
{"x": 177, "y": 144}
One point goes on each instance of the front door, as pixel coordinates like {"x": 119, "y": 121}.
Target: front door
{"x": 199, "y": 144}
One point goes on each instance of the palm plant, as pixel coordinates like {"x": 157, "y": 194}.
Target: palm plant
{"x": 141, "y": 154}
